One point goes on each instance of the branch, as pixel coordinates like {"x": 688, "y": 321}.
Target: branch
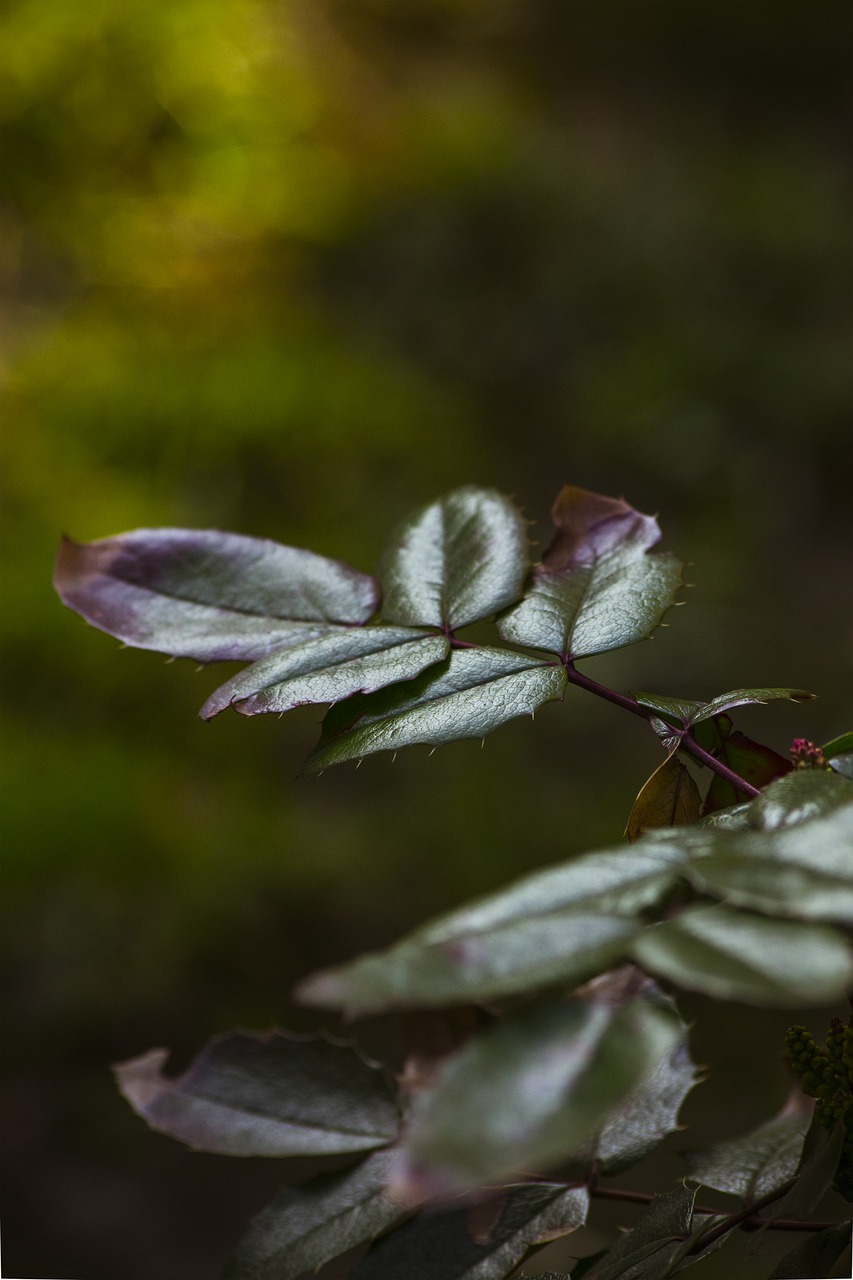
{"x": 687, "y": 742}
{"x": 748, "y": 1219}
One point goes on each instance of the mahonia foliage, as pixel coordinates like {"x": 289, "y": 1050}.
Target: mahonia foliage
{"x": 547, "y": 1051}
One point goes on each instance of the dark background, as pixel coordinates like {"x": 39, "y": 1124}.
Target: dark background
{"x": 290, "y": 269}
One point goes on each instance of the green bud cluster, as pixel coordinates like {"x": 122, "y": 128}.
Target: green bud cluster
{"x": 827, "y": 1076}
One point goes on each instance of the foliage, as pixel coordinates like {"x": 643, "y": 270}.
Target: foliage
{"x": 578, "y": 1062}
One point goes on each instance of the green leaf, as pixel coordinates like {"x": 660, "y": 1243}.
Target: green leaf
{"x": 650, "y": 1250}
{"x": 760, "y": 1161}
{"x": 755, "y": 763}
{"x": 358, "y": 660}
{"x": 304, "y": 1227}
{"x": 733, "y": 818}
{"x": 208, "y": 595}
{"x": 676, "y": 710}
{"x": 799, "y": 797}
{"x": 670, "y": 798}
{"x": 468, "y": 696}
{"x": 733, "y": 955}
{"x": 815, "y": 1173}
{"x": 843, "y": 764}
{"x": 815, "y": 1256}
{"x": 743, "y": 697}
{"x": 842, "y": 745}
{"x": 265, "y": 1095}
{"x": 485, "y": 1241}
{"x": 530, "y": 1091}
{"x": 456, "y": 561}
{"x": 562, "y": 924}
{"x": 598, "y": 587}
{"x": 803, "y": 871}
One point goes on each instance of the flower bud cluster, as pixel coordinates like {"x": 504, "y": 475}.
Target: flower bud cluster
{"x": 827, "y": 1076}
{"x": 807, "y": 755}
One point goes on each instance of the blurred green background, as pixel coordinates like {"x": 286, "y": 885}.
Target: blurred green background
{"x": 290, "y": 269}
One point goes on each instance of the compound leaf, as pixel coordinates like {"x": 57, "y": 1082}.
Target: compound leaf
{"x": 562, "y": 924}
{"x": 734, "y": 955}
{"x": 208, "y": 595}
{"x": 483, "y": 1242}
{"x": 530, "y": 1091}
{"x": 455, "y": 561}
{"x": 678, "y": 710}
{"x": 652, "y": 1250}
{"x": 815, "y": 1256}
{"x": 333, "y": 667}
{"x": 760, "y": 1161}
{"x": 468, "y": 696}
{"x": 670, "y": 798}
{"x": 265, "y": 1095}
{"x": 799, "y": 797}
{"x": 598, "y": 587}
{"x": 743, "y": 697}
{"x": 306, "y": 1226}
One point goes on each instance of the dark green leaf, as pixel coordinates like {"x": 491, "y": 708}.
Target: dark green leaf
{"x": 458, "y": 560}
{"x": 843, "y": 764}
{"x": 558, "y": 925}
{"x": 758, "y": 1162}
{"x": 208, "y": 595}
{"x": 733, "y": 818}
{"x": 530, "y": 1091}
{"x": 468, "y": 696}
{"x": 598, "y": 587}
{"x": 799, "y": 797}
{"x": 842, "y": 745}
{"x": 483, "y": 1242}
{"x": 265, "y": 1095}
{"x": 814, "y": 1257}
{"x": 650, "y": 1250}
{"x": 676, "y": 710}
{"x": 743, "y": 697}
{"x": 304, "y": 1227}
{"x": 357, "y": 660}
{"x": 737, "y": 956}
{"x": 670, "y": 798}
{"x": 815, "y": 1173}
{"x": 756, "y": 764}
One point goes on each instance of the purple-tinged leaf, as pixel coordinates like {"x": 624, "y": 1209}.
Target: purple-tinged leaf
{"x": 357, "y": 660}
{"x": 468, "y": 696}
{"x": 670, "y": 798}
{"x": 758, "y": 1162}
{"x": 529, "y": 1092}
{"x": 208, "y": 595}
{"x": 744, "y": 697}
{"x": 265, "y": 1095}
{"x": 305, "y": 1227}
{"x": 455, "y": 561}
{"x": 599, "y": 585}
{"x": 484, "y": 1241}
{"x": 756, "y": 764}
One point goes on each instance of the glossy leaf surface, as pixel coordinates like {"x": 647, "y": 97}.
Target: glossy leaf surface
{"x": 561, "y": 924}
{"x": 744, "y": 697}
{"x": 482, "y": 1242}
{"x": 306, "y": 1226}
{"x": 799, "y": 797}
{"x": 760, "y": 1161}
{"x": 333, "y": 667}
{"x": 650, "y": 1251}
{"x": 468, "y": 696}
{"x": 734, "y": 955}
{"x": 265, "y": 1095}
{"x": 755, "y": 763}
{"x": 599, "y": 585}
{"x": 209, "y": 595}
{"x": 455, "y": 561}
{"x": 670, "y": 798}
{"x": 678, "y": 710}
{"x": 530, "y": 1091}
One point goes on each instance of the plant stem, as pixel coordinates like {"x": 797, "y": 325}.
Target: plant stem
{"x": 747, "y": 1218}
{"x": 687, "y": 742}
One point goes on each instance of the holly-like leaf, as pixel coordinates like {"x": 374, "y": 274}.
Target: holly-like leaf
{"x": 483, "y": 1242}
{"x": 559, "y": 925}
{"x": 800, "y": 797}
{"x": 815, "y": 1256}
{"x": 304, "y": 1227}
{"x": 265, "y": 1095}
{"x": 599, "y": 585}
{"x": 530, "y": 1091}
{"x": 468, "y": 696}
{"x": 758, "y": 1162}
{"x": 676, "y": 710}
{"x": 357, "y": 660}
{"x": 756, "y": 764}
{"x": 743, "y": 697}
{"x": 208, "y": 595}
{"x": 734, "y": 955}
{"x": 455, "y": 561}
{"x": 652, "y": 1249}
{"x": 815, "y": 1173}
{"x": 670, "y": 798}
